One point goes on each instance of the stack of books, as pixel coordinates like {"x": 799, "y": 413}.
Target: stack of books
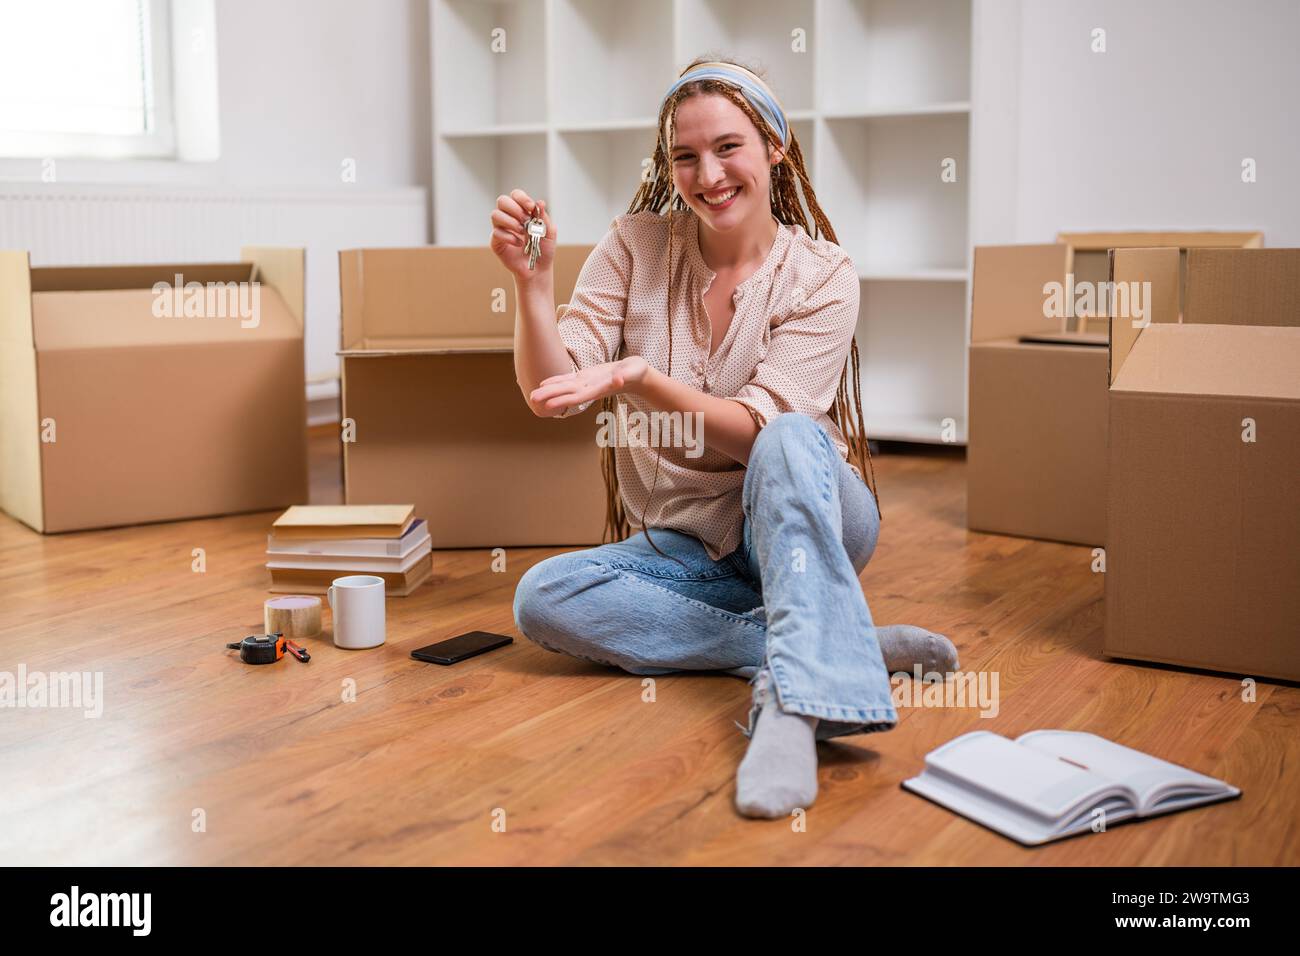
{"x": 311, "y": 545}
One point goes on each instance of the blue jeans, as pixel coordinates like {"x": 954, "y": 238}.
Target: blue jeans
{"x": 788, "y": 597}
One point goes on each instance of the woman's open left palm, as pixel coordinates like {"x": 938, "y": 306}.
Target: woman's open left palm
{"x": 588, "y": 384}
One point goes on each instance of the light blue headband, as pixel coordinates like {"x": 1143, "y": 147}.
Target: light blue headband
{"x": 754, "y": 89}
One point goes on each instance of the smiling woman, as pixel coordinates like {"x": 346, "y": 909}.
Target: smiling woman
{"x": 712, "y": 297}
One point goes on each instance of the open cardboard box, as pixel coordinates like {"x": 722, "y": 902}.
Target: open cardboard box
{"x": 1036, "y": 450}
{"x": 1203, "y": 533}
{"x": 120, "y": 404}
{"x": 437, "y": 417}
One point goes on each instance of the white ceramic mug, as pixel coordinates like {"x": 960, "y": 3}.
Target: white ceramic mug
{"x": 358, "y": 605}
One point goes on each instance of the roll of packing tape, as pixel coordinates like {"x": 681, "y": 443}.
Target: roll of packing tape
{"x": 293, "y": 615}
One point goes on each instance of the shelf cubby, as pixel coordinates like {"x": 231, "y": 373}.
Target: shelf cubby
{"x": 879, "y": 93}
{"x": 913, "y": 359}
{"x": 474, "y": 170}
{"x": 489, "y": 62}
{"x": 597, "y": 174}
{"x": 884, "y": 177}
{"x": 888, "y": 55}
{"x": 613, "y": 59}
{"x": 760, "y": 32}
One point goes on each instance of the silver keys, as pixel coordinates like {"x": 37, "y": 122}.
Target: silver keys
{"x": 536, "y": 230}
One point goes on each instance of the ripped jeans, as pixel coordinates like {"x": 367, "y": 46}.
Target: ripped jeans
{"x": 788, "y": 598}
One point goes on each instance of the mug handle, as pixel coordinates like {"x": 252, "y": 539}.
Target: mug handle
{"x": 329, "y": 596}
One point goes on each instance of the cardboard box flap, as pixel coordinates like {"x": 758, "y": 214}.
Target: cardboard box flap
{"x": 430, "y": 345}
{"x": 1101, "y": 241}
{"x": 1247, "y": 361}
{"x": 432, "y": 291}
{"x": 20, "y": 445}
{"x": 137, "y": 317}
{"x": 285, "y": 268}
{"x": 436, "y": 292}
{"x": 15, "y": 299}
{"x": 1008, "y": 295}
{"x": 89, "y": 278}
{"x": 1129, "y": 269}
{"x": 1243, "y": 287}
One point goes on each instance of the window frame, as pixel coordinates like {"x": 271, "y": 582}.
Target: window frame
{"x": 156, "y": 143}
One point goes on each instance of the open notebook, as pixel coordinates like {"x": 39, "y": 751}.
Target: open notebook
{"x": 1045, "y": 784}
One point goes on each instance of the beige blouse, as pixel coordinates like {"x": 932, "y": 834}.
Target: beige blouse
{"x": 783, "y": 352}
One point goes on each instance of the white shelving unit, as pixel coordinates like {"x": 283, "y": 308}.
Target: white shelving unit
{"x": 561, "y": 98}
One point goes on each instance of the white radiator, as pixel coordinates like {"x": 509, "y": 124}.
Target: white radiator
{"x": 108, "y": 225}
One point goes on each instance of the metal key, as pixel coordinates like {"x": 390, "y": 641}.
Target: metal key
{"x": 536, "y": 229}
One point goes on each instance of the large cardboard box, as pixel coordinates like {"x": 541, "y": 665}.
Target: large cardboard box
{"x": 435, "y": 411}
{"x": 1203, "y": 533}
{"x": 131, "y": 396}
{"x": 1036, "y": 450}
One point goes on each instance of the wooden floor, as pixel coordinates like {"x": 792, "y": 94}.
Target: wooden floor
{"x": 198, "y": 759}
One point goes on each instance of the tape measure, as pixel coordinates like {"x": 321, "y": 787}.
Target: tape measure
{"x": 268, "y": 648}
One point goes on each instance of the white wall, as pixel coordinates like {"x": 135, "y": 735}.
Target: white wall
{"x": 303, "y": 84}
{"x": 1149, "y": 134}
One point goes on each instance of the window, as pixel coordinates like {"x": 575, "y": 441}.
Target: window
{"x": 94, "y": 78}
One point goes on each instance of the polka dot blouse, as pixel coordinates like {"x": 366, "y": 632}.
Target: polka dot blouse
{"x": 783, "y": 352}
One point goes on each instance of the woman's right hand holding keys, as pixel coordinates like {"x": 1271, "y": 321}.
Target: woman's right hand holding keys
{"x": 539, "y": 352}
{"x": 510, "y": 239}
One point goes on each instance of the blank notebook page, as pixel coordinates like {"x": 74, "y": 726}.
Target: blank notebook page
{"x": 1140, "y": 771}
{"x": 1034, "y": 780}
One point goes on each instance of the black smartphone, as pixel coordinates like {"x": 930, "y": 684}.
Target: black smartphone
{"x": 460, "y": 647}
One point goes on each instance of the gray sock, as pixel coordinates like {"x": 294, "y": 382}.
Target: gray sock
{"x": 905, "y": 645}
{"x": 779, "y": 772}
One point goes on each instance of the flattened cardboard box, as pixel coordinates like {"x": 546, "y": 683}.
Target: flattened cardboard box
{"x": 1036, "y": 450}
{"x": 429, "y": 389}
{"x": 117, "y": 411}
{"x": 1203, "y": 539}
